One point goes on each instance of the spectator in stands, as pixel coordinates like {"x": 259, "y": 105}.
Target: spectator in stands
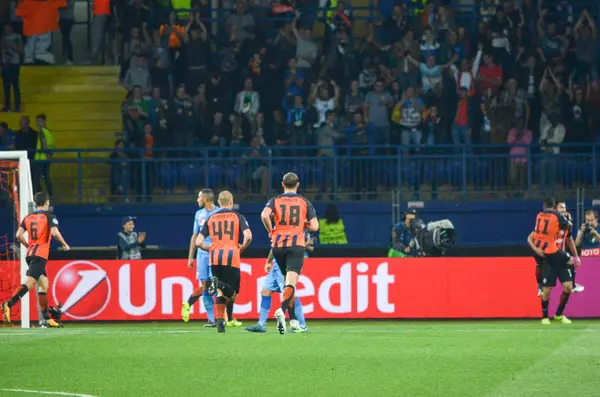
{"x": 40, "y": 19}
{"x": 181, "y": 122}
{"x": 7, "y": 138}
{"x": 306, "y": 49}
{"x": 138, "y": 76}
{"x": 296, "y": 121}
{"x": 247, "y": 102}
{"x": 26, "y": 138}
{"x": 66, "y": 21}
{"x": 377, "y": 105}
{"x": 552, "y": 135}
{"x": 586, "y": 44}
{"x": 12, "y": 51}
{"x": 519, "y": 139}
{"x": 578, "y": 120}
{"x": 463, "y": 123}
{"x": 412, "y": 108}
{"x": 130, "y": 243}
{"x": 589, "y": 232}
{"x": 241, "y": 25}
{"x": 119, "y": 171}
{"x": 197, "y": 52}
{"x": 43, "y": 153}
{"x": 327, "y": 134}
{"x": 322, "y": 101}
{"x": 217, "y": 131}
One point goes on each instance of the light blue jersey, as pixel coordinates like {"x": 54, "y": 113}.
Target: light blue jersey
{"x": 203, "y": 272}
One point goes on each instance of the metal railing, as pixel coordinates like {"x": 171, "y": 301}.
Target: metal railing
{"x": 342, "y": 173}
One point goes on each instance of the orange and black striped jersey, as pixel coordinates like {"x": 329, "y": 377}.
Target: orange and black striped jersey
{"x": 225, "y": 228}
{"x": 290, "y": 213}
{"x": 38, "y": 225}
{"x": 549, "y": 231}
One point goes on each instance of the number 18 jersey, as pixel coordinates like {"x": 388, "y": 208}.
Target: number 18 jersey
{"x": 290, "y": 212}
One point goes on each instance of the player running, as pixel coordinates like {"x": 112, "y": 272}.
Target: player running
{"x": 206, "y": 202}
{"x": 561, "y": 208}
{"x": 224, "y": 228}
{"x": 546, "y": 241}
{"x": 292, "y": 214}
{"x": 274, "y": 282}
{"x": 40, "y": 226}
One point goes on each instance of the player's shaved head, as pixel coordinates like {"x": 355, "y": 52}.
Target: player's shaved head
{"x": 225, "y": 199}
{"x": 290, "y": 181}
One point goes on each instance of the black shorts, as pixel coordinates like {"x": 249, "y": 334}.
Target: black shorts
{"x": 539, "y": 261}
{"x": 229, "y": 279}
{"x": 289, "y": 259}
{"x": 556, "y": 266}
{"x": 37, "y": 267}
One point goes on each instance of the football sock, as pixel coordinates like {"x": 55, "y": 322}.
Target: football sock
{"x": 209, "y": 304}
{"x": 538, "y": 276}
{"x": 287, "y": 302}
{"x": 195, "y": 296}
{"x": 545, "y": 305}
{"x": 229, "y": 308}
{"x": 299, "y": 313}
{"x": 265, "y": 307}
{"x": 43, "y": 301}
{"x": 19, "y": 293}
{"x": 220, "y": 307}
{"x": 564, "y": 299}
{"x": 573, "y": 275}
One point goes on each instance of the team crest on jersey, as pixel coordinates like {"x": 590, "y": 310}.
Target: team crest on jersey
{"x": 202, "y": 221}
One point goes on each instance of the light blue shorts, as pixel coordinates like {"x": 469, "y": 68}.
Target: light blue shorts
{"x": 274, "y": 280}
{"x": 203, "y": 272}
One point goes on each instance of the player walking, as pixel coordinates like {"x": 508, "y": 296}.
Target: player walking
{"x": 206, "y": 202}
{"x": 546, "y": 241}
{"x": 40, "y": 226}
{"x": 561, "y": 208}
{"x": 274, "y": 282}
{"x": 292, "y": 213}
{"x": 224, "y": 229}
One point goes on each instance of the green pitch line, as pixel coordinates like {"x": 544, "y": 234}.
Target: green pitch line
{"x": 353, "y": 358}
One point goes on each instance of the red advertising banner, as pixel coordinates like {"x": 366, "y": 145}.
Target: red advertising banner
{"x": 329, "y": 288}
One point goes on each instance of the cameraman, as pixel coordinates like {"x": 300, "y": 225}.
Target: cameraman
{"x": 402, "y": 236}
{"x": 589, "y": 233}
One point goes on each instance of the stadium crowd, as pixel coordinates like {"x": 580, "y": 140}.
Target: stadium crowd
{"x": 421, "y": 75}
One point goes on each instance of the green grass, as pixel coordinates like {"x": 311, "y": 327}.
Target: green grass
{"x": 358, "y": 358}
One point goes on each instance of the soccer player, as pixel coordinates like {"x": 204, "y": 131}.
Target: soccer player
{"x": 274, "y": 282}
{"x": 224, "y": 229}
{"x": 206, "y": 202}
{"x": 561, "y": 208}
{"x": 41, "y": 226}
{"x": 546, "y": 241}
{"x": 292, "y": 214}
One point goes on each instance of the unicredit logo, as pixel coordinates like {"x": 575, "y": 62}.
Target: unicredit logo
{"x": 83, "y": 288}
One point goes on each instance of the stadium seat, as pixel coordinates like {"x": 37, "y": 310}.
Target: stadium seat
{"x": 167, "y": 177}
{"x": 191, "y": 176}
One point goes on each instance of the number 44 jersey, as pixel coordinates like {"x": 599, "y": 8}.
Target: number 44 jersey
{"x": 225, "y": 228}
{"x": 291, "y": 212}
{"x": 38, "y": 225}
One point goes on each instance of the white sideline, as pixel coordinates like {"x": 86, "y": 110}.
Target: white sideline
{"x": 51, "y": 393}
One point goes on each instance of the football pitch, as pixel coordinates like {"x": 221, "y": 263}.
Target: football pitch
{"x": 336, "y": 358}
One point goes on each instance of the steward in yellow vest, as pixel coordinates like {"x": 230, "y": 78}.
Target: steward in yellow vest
{"x": 331, "y": 228}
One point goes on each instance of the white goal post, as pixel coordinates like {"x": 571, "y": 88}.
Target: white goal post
{"x": 25, "y": 190}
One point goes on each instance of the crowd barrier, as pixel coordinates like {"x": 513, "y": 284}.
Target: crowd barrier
{"x": 336, "y": 288}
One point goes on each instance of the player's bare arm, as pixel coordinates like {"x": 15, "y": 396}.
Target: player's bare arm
{"x": 247, "y": 240}
{"x": 200, "y": 243}
{"x": 535, "y": 249}
{"x": 265, "y": 216}
{"x": 310, "y": 244}
{"x": 573, "y": 249}
{"x": 192, "y": 251}
{"x": 269, "y": 263}
{"x": 21, "y": 237}
{"x": 313, "y": 225}
{"x": 59, "y": 237}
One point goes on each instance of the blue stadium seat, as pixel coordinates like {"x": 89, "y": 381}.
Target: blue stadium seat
{"x": 191, "y": 177}
{"x": 167, "y": 177}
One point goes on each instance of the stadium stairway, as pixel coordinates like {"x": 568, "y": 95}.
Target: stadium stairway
{"x": 82, "y": 105}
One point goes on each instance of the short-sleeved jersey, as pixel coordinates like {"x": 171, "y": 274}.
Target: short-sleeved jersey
{"x": 38, "y": 226}
{"x": 565, "y": 233}
{"x": 290, "y": 212}
{"x": 225, "y": 228}
{"x": 549, "y": 231}
{"x": 199, "y": 220}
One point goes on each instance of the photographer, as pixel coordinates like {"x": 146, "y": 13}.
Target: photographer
{"x": 130, "y": 242}
{"x": 589, "y": 233}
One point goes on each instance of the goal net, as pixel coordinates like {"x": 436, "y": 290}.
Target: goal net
{"x": 16, "y": 198}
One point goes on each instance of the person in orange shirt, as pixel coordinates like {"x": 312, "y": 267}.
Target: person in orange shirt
{"x": 41, "y": 226}
{"x": 40, "y": 19}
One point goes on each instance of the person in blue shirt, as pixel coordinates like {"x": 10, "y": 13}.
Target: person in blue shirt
{"x": 7, "y": 138}
{"x": 206, "y": 202}
{"x": 589, "y": 233}
{"x": 274, "y": 282}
